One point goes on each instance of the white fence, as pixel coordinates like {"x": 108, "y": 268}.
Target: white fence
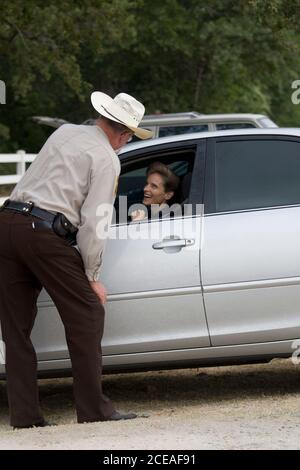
{"x": 20, "y": 159}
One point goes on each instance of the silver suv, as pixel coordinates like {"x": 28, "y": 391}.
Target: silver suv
{"x": 185, "y": 123}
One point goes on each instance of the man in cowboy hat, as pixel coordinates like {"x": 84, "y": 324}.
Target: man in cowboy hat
{"x": 56, "y": 202}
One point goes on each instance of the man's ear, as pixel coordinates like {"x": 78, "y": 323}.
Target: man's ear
{"x": 169, "y": 195}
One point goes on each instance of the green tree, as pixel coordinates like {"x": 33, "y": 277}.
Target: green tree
{"x": 43, "y": 50}
{"x": 175, "y": 55}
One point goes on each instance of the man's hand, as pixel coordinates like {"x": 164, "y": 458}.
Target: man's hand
{"x": 99, "y": 290}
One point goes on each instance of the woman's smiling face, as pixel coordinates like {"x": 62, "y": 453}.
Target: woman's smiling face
{"x": 154, "y": 191}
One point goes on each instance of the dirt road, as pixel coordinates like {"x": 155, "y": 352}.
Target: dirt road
{"x": 240, "y": 407}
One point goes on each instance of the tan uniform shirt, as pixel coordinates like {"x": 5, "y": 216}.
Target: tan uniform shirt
{"x": 76, "y": 171}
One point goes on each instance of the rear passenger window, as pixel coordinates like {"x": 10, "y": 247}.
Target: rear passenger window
{"x": 253, "y": 174}
{"x": 234, "y": 125}
{"x": 174, "y": 130}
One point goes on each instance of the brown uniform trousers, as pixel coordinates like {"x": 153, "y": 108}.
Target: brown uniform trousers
{"x": 29, "y": 259}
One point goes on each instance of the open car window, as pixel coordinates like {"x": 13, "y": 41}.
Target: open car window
{"x": 133, "y": 179}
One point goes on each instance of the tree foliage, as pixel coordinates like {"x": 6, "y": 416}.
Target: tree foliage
{"x": 175, "y": 55}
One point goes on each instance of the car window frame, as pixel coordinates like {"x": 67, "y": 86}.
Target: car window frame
{"x": 196, "y": 190}
{"x": 209, "y": 193}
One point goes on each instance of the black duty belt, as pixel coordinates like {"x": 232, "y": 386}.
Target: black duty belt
{"x": 57, "y": 222}
{"x": 28, "y": 208}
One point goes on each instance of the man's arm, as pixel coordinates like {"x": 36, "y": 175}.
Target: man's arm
{"x": 91, "y": 244}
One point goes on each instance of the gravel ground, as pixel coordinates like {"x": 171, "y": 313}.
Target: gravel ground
{"x": 238, "y": 407}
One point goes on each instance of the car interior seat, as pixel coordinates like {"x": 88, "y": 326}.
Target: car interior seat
{"x": 185, "y": 185}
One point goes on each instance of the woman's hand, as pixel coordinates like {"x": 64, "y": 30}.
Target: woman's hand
{"x": 139, "y": 214}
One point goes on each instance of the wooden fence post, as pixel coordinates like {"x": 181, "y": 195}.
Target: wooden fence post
{"x": 21, "y": 165}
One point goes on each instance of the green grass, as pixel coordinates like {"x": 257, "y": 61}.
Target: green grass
{"x": 6, "y": 189}
{"x": 7, "y": 168}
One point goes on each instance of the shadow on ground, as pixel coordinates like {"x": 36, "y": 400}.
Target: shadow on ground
{"x": 177, "y": 388}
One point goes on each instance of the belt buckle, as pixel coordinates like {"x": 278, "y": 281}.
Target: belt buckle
{"x": 27, "y": 210}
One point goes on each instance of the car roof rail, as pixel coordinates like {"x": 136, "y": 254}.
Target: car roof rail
{"x": 49, "y": 121}
{"x": 188, "y": 115}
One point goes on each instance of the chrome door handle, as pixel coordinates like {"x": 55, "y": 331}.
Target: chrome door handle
{"x": 169, "y": 243}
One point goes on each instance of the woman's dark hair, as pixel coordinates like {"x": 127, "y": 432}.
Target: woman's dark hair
{"x": 171, "y": 181}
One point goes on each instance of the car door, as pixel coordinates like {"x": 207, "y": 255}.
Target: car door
{"x": 251, "y": 250}
{"x": 152, "y": 273}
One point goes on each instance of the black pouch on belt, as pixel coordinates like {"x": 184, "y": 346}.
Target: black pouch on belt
{"x": 63, "y": 228}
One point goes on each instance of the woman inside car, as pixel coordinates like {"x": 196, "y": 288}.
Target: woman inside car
{"x": 159, "y": 192}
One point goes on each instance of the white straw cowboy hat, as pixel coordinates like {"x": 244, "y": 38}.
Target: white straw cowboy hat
{"x": 123, "y": 109}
